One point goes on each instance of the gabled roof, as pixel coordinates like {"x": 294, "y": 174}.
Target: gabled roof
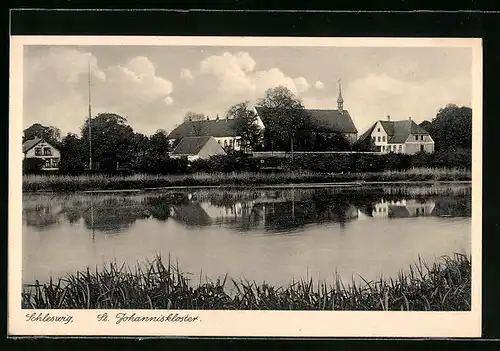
{"x": 29, "y": 144}
{"x": 191, "y": 145}
{"x": 326, "y": 121}
{"x": 398, "y": 131}
{"x": 217, "y": 128}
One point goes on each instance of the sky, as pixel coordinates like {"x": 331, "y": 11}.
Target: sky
{"x": 153, "y": 87}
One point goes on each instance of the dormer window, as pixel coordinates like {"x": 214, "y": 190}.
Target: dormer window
{"x": 47, "y": 151}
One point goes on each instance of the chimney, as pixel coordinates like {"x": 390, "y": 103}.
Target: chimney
{"x": 388, "y": 117}
{"x": 208, "y": 118}
{"x": 190, "y": 119}
{"x": 409, "y": 118}
{"x": 217, "y": 118}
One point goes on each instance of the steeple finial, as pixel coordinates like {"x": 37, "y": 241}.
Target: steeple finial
{"x": 340, "y": 100}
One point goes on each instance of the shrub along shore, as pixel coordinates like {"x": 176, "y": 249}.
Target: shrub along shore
{"x": 70, "y": 183}
{"x": 443, "y": 286}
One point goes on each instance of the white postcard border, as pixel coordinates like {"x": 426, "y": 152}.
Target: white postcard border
{"x": 240, "y": 323}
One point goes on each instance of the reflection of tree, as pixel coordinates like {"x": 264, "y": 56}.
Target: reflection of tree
{"x": 159, "y": 207}
{"x": 456, "y": 206}
{"x": 41, "y": 216}
{"x": 113, "y": 215}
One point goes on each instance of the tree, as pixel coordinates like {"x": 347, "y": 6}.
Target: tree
{"x": 366, "y": 144}
{"x": 288, "y": 121}
{"x": 139, "y": 146}
{"x": 156, "y": 159}
{"x": 246, "y": 126}
{"x": 452, "y": 128}
{"x": 50, "y": 134}
{"x": 72, "y": 154}
{"x": 193, "y": 116}
{"x": 111, "y": 141}
{"x": 426, "y": 125}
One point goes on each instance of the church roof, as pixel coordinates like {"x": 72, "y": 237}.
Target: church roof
{"x": 217, "y": 128}
{"x": 326, "y": 121}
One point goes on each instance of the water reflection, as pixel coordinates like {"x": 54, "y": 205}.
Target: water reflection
{"x": 272, "y": 235}
{"x": 270, "y": 210}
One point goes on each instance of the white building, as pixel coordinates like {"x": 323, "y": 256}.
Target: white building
{"x": 39, "y": 148}
{"x": 404, "y": 136}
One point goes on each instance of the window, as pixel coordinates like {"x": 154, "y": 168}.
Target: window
{"x": 231, "y": 143}
{"x": 422, "y": 137}
{"x": 38, "y": 151}
{"x": 47, "y": 151}
{"x": 47, "y": 163}
{"x": 225, "y": 142}
{"x": 400, "y": 148}
{"x": 237, "y": 143}
{"x": 378, "y": 138}
{"x": 374, "y": 139}
{"x": 421, "y": 148}
{"x": 383, "y": 138}
{"x": 55, "y": 162}
{"x": 378, "y": 129}
{"x": 416, "y": 137}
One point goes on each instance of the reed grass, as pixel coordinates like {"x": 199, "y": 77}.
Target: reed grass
{"x": 443, "y": 286}
{"x": 69, "y": 183}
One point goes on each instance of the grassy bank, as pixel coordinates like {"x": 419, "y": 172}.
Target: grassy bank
{"x": 139, "y": 181}
{"x": 443, "y": 286}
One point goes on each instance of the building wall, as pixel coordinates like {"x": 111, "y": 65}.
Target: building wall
{"x": 211, "y": 148}
{"x": 47, "y": 152}
{"x": 231, "y": 142}
{"x": 379, "y": 137}
{"x": 412, "y": 145}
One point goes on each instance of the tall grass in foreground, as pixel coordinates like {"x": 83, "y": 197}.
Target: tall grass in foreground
{"x": 443, "y": 286}
{"x": 138, "y": 181}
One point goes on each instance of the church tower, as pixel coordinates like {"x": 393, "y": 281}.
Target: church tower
{"x": 340, "y": 100}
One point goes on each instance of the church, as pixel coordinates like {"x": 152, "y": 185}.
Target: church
{"x": 323, "y": 122}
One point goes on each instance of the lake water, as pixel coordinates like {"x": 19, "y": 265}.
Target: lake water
{"x": 272, "y": 235}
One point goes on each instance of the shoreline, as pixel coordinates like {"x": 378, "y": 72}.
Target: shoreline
{"x": 444, "y": 285}
{"x": 354, "y": 184}
{"x": 237, "y": 180}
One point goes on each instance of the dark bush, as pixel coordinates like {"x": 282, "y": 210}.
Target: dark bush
{"x": 397, "y": 161}
{"x": 32, "y": 165}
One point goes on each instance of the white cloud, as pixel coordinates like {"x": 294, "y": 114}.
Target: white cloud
{"x": 56, "y": 89}
{"x": 381, "y": 95}
{"x": 319, "y": 85}
{"x": 237, "y": 78}
{"x": 186, "y": 74}
{"x": 301, "y": 84}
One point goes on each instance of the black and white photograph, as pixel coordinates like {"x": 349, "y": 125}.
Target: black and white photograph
{"x": 197, "y": 181}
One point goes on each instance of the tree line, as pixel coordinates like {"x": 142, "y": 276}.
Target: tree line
{"x": 116, "y": 145}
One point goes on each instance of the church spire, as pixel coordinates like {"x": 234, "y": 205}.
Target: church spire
{"x": 340, "y": 100}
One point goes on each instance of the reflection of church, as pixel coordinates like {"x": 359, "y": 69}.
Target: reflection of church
{"x": 402, "y": 208}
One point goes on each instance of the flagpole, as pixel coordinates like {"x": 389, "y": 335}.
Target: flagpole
{"x": 90, "y": 125}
